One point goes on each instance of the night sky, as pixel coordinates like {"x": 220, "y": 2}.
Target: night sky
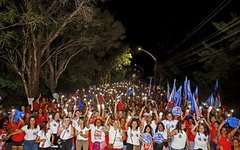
{"x": 160, "y": 27}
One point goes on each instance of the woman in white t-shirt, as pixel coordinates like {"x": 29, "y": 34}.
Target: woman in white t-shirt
{"x": 179, "y": 137}
{"x": 98, "y": 134}
{"x": 116, "y": 134}
{"x": 160, "y": 137}
{"x": 133, "y": 135}
{"x": 44, "y": 136}
{"x": 201, "y": 140}
{"x": 55, "y": 121}
{"x": 66, "y": 133}
{"x": 30, "y": 131}
{"x": 81, "y": 132}
{"x": 147, "y": 138}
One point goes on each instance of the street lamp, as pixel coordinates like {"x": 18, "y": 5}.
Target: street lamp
{"x": 155, "y": 64}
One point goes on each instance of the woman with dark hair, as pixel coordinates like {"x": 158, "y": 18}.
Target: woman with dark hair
{"x": 236, "y": 145}
{"x": 213, "y": 127}
{"x": 160, "y": 137}
{"x": 146, "y": 138}
{"x": 66, "y": 133}
{"x": 179, "y": 140}
{"x": 201, "y": 140}
{"x": 81, "y": 132}
{"x": 44, "y": 136}
{"x": 17, "y": 139}
{"x": 225, "y": 137}
{"x": 40, "y": 116}
{"x": 55, "y": 121}
{"x": 190, "y": 123}
{"x": 98, "y": 134}
{"x": 133, "y": 132}
{"x": 213, "y": 134}
{"x": 30, "y": 131}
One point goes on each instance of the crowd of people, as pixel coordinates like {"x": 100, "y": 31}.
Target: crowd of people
{"x": 119, "y": 116}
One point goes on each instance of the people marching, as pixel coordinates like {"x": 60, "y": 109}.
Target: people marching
{"x": 121, "y": 116}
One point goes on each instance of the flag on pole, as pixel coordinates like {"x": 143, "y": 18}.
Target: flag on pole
{"x": 217, "y": 96}
{"x": 168, "y": 90}
{"x": 194, "y": 107}
{"x": 210, "y": 101}
{"x": 178, "y": 96}
{"x": 185, "y": 92}
{"x": 196, "y": 94}
{"x": 171, "y": 97}
{"x": 189, "y": 93}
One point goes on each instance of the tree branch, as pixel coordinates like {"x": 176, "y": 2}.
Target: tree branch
{"x": 62, "y": 26}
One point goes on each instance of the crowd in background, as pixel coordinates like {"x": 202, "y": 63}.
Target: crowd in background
{"x": 119, "y": 116}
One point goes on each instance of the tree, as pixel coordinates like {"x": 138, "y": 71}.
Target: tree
{"x": 30, "y": 31}
{"x": 102, "y": 35}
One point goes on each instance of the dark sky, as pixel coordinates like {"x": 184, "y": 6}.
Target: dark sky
{"x": 159, "y": 26}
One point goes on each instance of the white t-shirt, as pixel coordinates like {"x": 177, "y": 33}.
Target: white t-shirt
{"x": 179, "y": 140}
{"x": 84, "y": 132}
{"x": 164, "y": 134}
{"x": 46, "y": 137}
{"x": 133, "y": 136}
{"x": 97, "y": 134}
{"x": 75, "y": 123}
{"x": 170, "y": 124}
{"x": 200, "y": 141}
{"x": 54, "y": 126}
{"x": 66, "y": 133}
{"x": 30, "y": 134}
{"x": 115, "y": 138}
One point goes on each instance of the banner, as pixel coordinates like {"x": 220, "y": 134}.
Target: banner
{"x": 158, "y": 138}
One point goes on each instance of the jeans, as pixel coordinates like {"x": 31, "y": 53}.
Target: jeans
{"x": 30, "y": 145}
{"x": 213, "y": 146}
{"x": 124, "y": 147}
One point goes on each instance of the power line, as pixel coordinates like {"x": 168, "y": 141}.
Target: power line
{"x": 210, "y": 16}
{"x": 193, "y": 62}
{"x": 201, "y": 42}
{"x": 213, "y": 43}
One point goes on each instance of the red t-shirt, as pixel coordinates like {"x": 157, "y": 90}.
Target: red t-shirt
{"x": 40, "y": 119}
{"x": 35, "y": 106}
{"x": 225, "y": 143}
{"x": 189, "y": 133}
{"x": 213, "y": 132}
{"x": 17, "y": 137}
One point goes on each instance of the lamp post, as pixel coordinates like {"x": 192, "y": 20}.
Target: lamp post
{"x": 155, "y": 64}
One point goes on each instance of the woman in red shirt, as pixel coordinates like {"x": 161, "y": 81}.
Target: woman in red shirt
{"x": 225, "y": 137}
{"x": 41, "y": 116}
{"x": 189, "y": 125}
{"x": 213, "y": 127}
{"x": 17, "y": 139}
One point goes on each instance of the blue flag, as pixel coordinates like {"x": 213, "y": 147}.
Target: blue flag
{"x": 130, "y": 92}
{"x": 171, "y": 98}
{"x": 185, "y": 87}
{"x": 189, "y": 93}
{"x": 217, "y": 96}
{"x": 178, "y": 96}
{"x": 196, "y": 94}
{"x": 210, "y": 101}
{"x": 194, "y": 106}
